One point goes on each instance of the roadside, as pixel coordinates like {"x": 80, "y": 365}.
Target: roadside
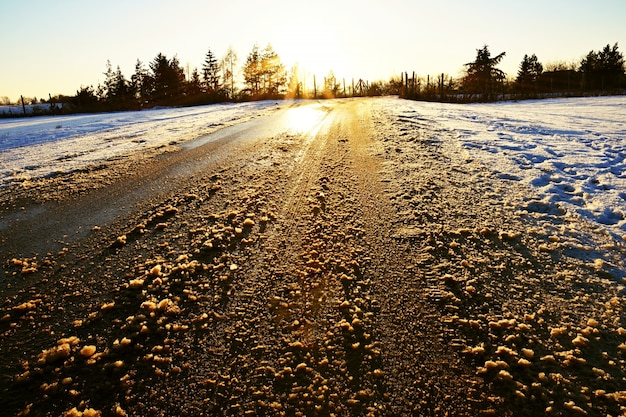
{"x": 364, "y": 267}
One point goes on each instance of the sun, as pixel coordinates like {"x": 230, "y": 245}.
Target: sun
{"x": 315, "y": 49}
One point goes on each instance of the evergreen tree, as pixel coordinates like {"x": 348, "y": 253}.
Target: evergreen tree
{"x": 273, "y": 74}
{"x": 86, "y": 99}
{"x": 529, "y": 71}
{"x": 141, "y": 84}
{"x": 589, "y": 68}
{"x": 603, "y": 69}
{"x": 168, "y": 79}
{"x": 611, "y": 67}
{"x": 194, "y": 86}
{"x": 252, "y": 71}
{"x": 122, "y": 92}
{"x": 116, "y": 89}
{"x": 482, "y": 74}
{"x": 210, "y": 73}
{"x": 109, "y": 83}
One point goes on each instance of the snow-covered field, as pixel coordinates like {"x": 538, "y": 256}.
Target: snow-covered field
{"x": 570, "y": 152}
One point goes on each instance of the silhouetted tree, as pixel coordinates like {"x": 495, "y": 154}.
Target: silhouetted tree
{"x": 109, "y": 82}
{"x": 482, "y": 74}
{"x": 86, "y": 99}
{"x": 168, "y": 79}
{"x": 529, "y": 71}
{"x": 116, "y": 91}
{"x": 210, "y": 73}
{"x": 194, "y": 85}
{"x": 141, "y": 84}
{"x": 603, "y": 70}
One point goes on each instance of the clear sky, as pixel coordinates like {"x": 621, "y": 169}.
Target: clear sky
{"x": 57, "y": 46}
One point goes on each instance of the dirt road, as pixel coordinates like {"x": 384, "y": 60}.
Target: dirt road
{"x": 332, "y": 259}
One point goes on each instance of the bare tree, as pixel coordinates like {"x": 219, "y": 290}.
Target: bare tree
{"x": 228, "y": 64}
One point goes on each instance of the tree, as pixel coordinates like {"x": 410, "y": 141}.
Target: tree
{"x": 141, "y": 83}
{"x": 109, "y": 81}
{"x": 482, "y": 74}
{"x": 86, "y": 99}
{"x": 210, "y": 73}
{"x": 122, "y": 93}
{"x": 194, "y": 86}
{"x": 611, "y": 66}
{"x": 603, "y": 69}
{"x": 273, "y": 74}
{"x": 529, "y": 71}
{"x": 228, "y": 64}
{"x": 168, "y": 79}
{"x": 252, "y": 71}
{"x": 331, "y": 86}
{"x": 264, "y": 73}
{"x": 294, "y": 85}
{"x": 116, "y": 90}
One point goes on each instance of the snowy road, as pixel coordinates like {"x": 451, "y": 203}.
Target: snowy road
{"x": 570, "y": 152}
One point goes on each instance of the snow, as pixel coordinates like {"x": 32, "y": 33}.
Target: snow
{"x": 37, "y": 147}
{"x": 570, "y": 153}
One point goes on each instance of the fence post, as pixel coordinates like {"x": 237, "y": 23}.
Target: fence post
{"x": 23, "y": 105}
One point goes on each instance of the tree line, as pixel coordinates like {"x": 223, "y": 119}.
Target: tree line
{"x": 165, "y": 82}
{"x": 598, "y": 72}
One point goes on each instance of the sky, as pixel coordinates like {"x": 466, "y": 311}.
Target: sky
{"x": 55, "y": 47}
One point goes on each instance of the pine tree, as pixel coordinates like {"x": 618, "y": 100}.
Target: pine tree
{"x": 252, "y": 71}
{"x": 482, "y": 74}
{"x": 141, "y": 83}
{"x": 529, "y": 71}
{"x": 123, "y": 91}
{"x": 168, "y": 79}
{"x": 210, "y": 73}
{"x": 610, "y": 67}
{"x": 194, "y": 86}
{"x": 273, "y": 74}
{"x": 109, "y": 82}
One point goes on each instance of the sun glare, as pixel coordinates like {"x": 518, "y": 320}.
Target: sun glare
{"x": 303, "y": 119}
{"x": 315, "y": 49}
